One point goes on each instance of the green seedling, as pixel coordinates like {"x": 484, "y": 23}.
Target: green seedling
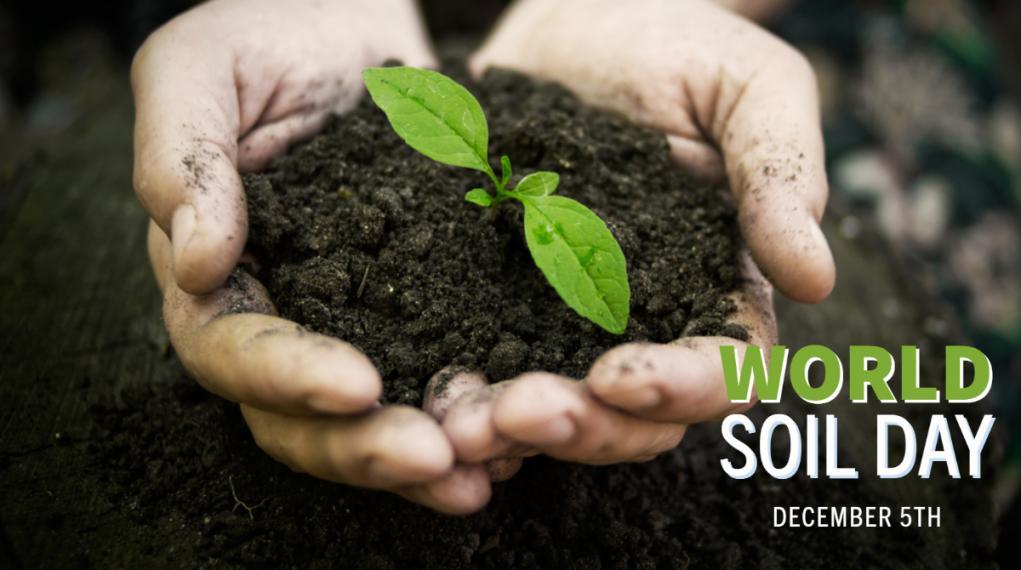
{"x": 569, "y": 243}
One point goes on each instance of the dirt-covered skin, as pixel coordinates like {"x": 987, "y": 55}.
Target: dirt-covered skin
{"x": 361, "y": 237}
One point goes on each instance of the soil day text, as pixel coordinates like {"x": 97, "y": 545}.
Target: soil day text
{"x": 869, "y": 370}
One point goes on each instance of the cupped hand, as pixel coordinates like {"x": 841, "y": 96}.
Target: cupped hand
{"x": 222, "y": 89}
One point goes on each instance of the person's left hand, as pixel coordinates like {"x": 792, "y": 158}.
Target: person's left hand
{"x": 735, "y": 103}
{"x": 222, "y": 89}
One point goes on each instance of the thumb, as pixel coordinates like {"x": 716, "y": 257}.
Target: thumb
{"x": 773, "y": 150}
{"x": 185, "y": 172}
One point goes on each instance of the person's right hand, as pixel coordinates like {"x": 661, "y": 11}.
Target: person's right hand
{"x": 222, "y": 89}
{"x": 735, "y": 104}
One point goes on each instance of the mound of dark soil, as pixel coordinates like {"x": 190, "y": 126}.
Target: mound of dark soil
{"x": 363, "y": 238}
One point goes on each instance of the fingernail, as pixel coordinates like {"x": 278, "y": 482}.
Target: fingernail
{"x": 181, "y": 229}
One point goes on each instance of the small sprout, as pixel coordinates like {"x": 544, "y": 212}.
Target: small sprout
{"x": 569, "y": 243}
{"x": 479, "y": 197}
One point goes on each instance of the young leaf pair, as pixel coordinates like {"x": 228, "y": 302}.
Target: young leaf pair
{"x": 570, "y": 244}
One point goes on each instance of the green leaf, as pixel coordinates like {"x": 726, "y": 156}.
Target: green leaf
{"x": 538, "y": 184}
{"x": 433, "y": 114}
{"x": 479, "y": 197}
{"x": 580, "y": 258}
{"x": 505, "y": 170}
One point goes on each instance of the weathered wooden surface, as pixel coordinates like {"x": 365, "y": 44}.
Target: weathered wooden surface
{"x": 80, "y": 319}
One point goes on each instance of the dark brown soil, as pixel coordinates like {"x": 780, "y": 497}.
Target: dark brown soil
{"x": 362, "y": 238}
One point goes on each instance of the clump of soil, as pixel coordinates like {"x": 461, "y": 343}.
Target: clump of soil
{"x": 363, "y": 238}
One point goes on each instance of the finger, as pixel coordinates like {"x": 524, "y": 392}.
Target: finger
{"x": 186, "y": 128}
{"x": 447, "y": 386}
{"x": 559, "y": 417}
{"x": 272, "y": 363}
{"x": 463, "y": 491}
{"x": 680, "y": 383}
{"x": 469, "y": 425}
{"x": 773, "y": 149}
{"x": 236, "y": 347}
{"x": 263, "y": 360}
{"x": 683, "y": 382}
{"x": 387, "y": 448}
